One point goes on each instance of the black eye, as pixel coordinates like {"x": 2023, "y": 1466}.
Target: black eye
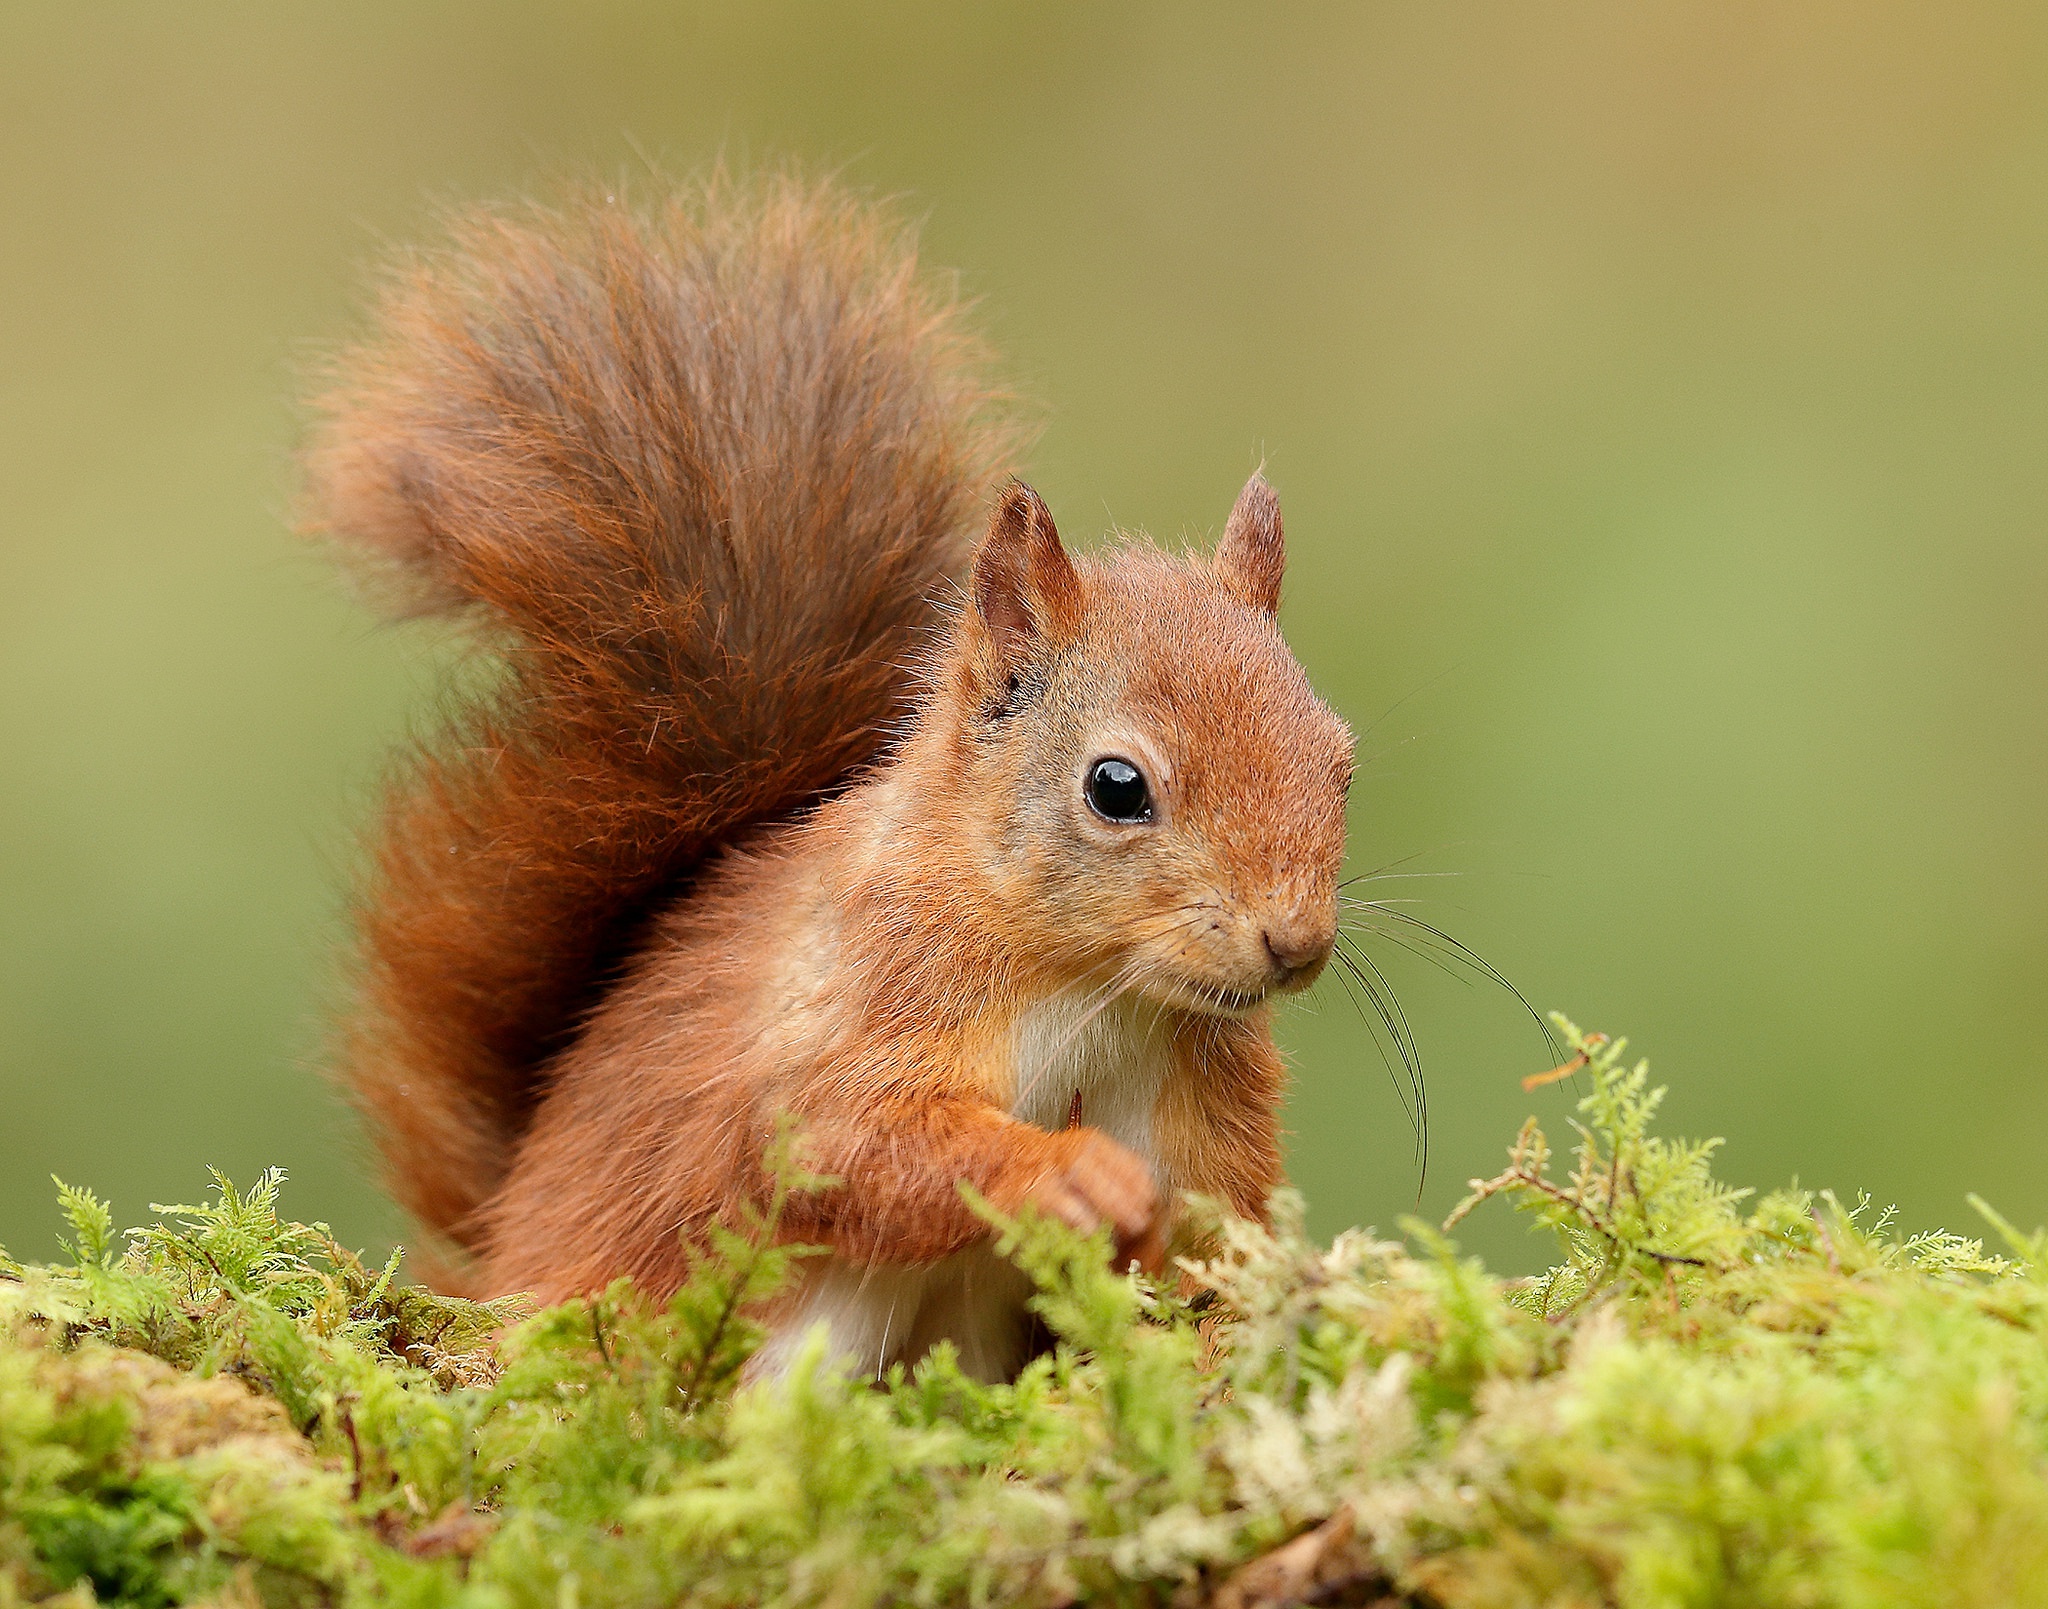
{"x": 1117, "y": 792}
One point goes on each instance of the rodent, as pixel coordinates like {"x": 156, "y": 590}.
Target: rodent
{"x": 815, "y": 776}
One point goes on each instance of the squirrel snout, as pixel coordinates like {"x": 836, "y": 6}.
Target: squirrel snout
{"x": 1298, "y": 946}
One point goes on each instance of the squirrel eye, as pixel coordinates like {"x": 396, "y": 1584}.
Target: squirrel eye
{"x": 1116, "y": 791}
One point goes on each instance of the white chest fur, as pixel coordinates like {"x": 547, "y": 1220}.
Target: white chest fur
{"x": 1116, "y": 1058}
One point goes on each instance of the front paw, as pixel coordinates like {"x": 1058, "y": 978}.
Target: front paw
{"x": 1102, "y": 1183}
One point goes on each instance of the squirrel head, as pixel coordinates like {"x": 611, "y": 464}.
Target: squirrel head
{"x": 1162, "y": 792}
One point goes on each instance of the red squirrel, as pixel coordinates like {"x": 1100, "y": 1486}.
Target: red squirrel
{"x": 983, "y": 861}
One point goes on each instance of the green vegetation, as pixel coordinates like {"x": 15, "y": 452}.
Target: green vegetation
{"x": 1708, "y": 1401}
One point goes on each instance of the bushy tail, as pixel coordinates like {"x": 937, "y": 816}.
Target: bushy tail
{"x": 695, "y": 465}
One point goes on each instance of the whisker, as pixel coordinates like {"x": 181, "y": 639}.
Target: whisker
{"x": 1379, "y": 872}
{"x": 1550, "y": 1043}
{"x": 1421, "y": 1084}
{"x": 1388, "y": 1022}
{"x": 1381, "y": 993}
{"x": 1347, "y": 947}
{"x": 1422, "y": 952}
{"x": 1342, "y": 975}
{"x": 1414, "y": 692}
{"x": 1390, "y": 870}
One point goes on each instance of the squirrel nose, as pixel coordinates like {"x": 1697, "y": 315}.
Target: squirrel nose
{"x": 1297, "y": 946}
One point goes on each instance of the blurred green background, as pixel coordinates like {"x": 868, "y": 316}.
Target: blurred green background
{"x": 1656, "y": 393}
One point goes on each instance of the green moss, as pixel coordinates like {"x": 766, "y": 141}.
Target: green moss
{"x": 1710, "y": 1400}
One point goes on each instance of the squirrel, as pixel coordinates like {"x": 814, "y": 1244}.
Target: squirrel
{"x": 787, "y": 795}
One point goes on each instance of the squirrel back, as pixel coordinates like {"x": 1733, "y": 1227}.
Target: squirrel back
{"x": 693, "y": 468}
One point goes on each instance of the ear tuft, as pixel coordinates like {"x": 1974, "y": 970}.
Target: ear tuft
{"x": 1252, "y": 555}
{"x": 1026, "y": 594}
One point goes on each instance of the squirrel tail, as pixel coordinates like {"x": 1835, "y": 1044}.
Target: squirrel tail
{"x": 693, "y": 468}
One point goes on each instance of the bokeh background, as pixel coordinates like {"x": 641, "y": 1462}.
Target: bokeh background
{"x": 1657, "y": 394}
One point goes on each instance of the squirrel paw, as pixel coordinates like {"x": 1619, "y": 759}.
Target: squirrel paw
{"x": 1102, "y": 1183}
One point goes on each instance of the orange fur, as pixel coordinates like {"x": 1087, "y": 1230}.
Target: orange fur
{"x": 700, "y": 468}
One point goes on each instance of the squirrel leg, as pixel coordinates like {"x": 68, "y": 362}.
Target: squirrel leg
{"x": 902, "y": 1162}
{"x": 1217, "y": 1124}
{"x": 1218, "y": 1130}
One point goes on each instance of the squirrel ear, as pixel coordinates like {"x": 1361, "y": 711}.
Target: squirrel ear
{"x": 1025, "y": 589}
{"x": 1252, "y": 554}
